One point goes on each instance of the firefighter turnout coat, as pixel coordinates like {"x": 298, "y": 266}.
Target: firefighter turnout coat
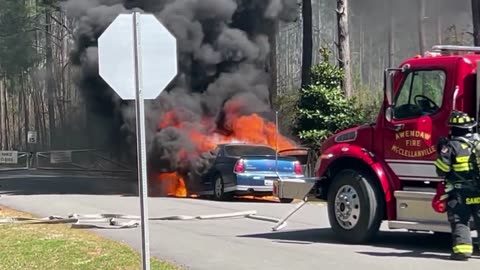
{"x": 456, "y": 162}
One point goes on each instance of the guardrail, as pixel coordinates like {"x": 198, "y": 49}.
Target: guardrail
{"x": 15, "y": 160}
{"x": 84, "y": 161}
{"x": 79, "y": 160}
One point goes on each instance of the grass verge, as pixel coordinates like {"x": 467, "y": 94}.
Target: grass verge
{"x": 60, "y": 247}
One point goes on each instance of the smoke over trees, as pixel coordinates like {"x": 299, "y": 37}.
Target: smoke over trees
{"x": 223, "y": 54}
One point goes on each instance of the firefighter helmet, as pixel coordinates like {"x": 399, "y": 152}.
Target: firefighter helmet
{"x": 460, "y": 119}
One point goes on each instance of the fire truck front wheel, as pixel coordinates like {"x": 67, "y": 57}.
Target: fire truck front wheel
{"x": 355, "y": 206}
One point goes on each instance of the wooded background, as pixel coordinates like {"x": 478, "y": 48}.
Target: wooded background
{"x": 412, "y": 27}
{"x": 37, "y": 90}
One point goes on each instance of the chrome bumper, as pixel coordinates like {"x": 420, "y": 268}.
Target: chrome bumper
{"x": 293, "y": 188}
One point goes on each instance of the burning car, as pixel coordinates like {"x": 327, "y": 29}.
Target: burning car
{"x": 244, "y": 169}
{"x": 222, "y": 93}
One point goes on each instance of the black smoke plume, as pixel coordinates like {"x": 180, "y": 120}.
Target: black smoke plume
{"x": 223, "y": 57}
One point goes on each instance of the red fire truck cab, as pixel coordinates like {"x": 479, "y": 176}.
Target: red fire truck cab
{"x": 385, "y": 171}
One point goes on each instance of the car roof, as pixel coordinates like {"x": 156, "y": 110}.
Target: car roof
{"x": 243, "y": 144}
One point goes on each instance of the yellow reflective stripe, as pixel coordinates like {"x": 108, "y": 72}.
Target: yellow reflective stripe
{"x": 444, "y": 197}
{"x": 463, "y": 248}
{"x": 463, "y": 167}
{"x": 475, "y": 200}
{"x": 448, "y": 187}
{"x": 462, "y": 159}
{"x": 441, "y": 165}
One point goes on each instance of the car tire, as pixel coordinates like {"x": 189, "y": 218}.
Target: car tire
{"x": 286, "y": 200}
{"x": 355, "y": 206}
{"x": 219, "y": 190}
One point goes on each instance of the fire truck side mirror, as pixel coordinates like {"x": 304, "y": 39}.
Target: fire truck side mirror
{"x": 389, "y": 113}
{"x": 388, "y": 86}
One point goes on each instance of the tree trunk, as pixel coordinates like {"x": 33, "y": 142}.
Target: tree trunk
{"x": 391, "y": 36}
{"x": 421, "y": 26}
{"x": 273, "y": 65}
{"x": 62, "y": 105}
{"x": 344, "y": 46}
{"x": 476, "y": 21}
{"x": 50, "y": 88}
{"x": 38, "y": 118}
{"x": 7, "y": 121}
{"x": 361, "y": 49}
{"x": 14, "y": 120}
{"x": 21, "y": 108}
{"x": 26, "y": 111}
{"x": 307, "y": 51}
{"x": 3, "y": 125}
{"x": 439, "y": 26}
{"x": 43, "y": 122}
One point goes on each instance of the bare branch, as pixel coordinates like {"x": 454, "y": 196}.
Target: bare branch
{"x": 61, "y": 24}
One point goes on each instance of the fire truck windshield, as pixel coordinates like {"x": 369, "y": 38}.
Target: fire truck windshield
{"x": 421, "y": 94}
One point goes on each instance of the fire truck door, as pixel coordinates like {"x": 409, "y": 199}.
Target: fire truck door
{"x": 418, "y": 121}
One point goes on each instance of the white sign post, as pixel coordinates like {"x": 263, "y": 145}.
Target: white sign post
{"x": 32, "y": 137}
{"x": 138, "y": 59}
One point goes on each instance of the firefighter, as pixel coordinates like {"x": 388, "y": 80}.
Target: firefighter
{"x": 456, "y": 162}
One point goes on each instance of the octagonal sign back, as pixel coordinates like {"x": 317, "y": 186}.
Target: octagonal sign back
{"x": 158, "y": 56}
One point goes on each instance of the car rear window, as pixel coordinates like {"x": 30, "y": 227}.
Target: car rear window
{"x": 245, "y": 150}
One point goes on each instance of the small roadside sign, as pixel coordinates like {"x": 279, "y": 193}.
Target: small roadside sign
{"x": 8, "y": 157}
{"x": 59, "y": 157}
{"x": 32, "y": 137}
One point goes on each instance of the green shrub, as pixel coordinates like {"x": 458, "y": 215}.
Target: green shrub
{"x": 323, "y": 109}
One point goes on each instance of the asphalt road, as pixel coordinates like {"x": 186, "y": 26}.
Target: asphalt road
{"x": 307, "y": 242}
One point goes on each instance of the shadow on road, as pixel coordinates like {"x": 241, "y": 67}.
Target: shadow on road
{"x": 244, "y": 199}
{"x": 415, "y": 245}
{"x": 63, "y": 185}
{"x": 78, "y": 185}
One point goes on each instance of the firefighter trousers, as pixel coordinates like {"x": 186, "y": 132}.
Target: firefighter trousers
{"x": 462, "y": 205}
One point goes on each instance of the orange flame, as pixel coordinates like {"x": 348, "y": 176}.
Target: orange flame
{"x": 251, "y": 129}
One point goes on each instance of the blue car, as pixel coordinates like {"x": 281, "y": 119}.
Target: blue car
{"x": 244, "y": 169}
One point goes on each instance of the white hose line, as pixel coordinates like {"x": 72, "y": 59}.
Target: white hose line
{"x": 88, "y": 221}
{"x": 238, "y": 214}
{"x": 263, "y": 218}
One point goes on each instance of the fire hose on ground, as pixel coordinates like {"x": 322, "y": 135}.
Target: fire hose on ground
{"x": 119, "y": 221}
{"x": 113, "y": 220}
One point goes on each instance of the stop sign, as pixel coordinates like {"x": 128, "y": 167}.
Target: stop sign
{"x": 157, "y": 56}
{"x": 138, "y": 59}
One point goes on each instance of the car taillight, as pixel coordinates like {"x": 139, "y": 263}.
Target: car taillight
{"x": 297, "y": 168}
{"x": 239, "y": 167}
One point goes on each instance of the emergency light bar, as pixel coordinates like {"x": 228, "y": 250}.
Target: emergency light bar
{"x": 455, "y": 48}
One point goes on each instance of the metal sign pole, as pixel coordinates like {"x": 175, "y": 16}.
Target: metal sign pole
{"x": 141, "y": 144}
{"x": 276, "y": 145}
{"x": 138, "y": 70}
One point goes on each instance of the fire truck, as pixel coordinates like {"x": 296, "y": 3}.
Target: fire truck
{"x": 384, "y": 172}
